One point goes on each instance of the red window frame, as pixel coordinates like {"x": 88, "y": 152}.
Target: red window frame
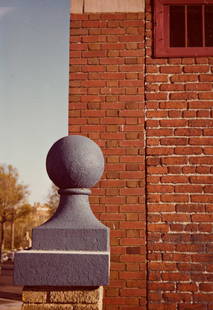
{"x": 161, "y": 31}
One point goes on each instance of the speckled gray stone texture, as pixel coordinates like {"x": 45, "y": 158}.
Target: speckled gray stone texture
{"x": 75, "y": 162}
{"x": 61, "y": 269}
{"x": 71, "y": 248}
{"x": 73, "y": 227}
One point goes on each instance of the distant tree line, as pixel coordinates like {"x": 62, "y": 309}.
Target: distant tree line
{"x": 17, "y": 215}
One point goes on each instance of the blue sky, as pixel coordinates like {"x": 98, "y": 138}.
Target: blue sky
{"x": 34, "y": 67}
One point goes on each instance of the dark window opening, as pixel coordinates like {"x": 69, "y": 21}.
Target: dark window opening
{"x": 177, "y": 26}
{"x": 194, "y": 25}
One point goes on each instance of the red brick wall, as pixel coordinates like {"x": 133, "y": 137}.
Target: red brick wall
{"x": 179, "y": 156}
{"x": 171, "y": 160}
{"x": 107, "y": 105}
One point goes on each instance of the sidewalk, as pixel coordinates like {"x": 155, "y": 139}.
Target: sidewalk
{"x": 7, "y": 304}
{"x": 8, "y": 290}
{"x": 10, "y": 295}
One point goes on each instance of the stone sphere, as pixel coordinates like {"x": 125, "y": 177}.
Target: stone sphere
{"x": 75, "y": 162}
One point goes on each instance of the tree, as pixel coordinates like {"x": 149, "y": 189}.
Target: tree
{"x": 52, "y": 199}
{"x": 27, "y": 219}
{"x": 21, "y": 211}
{"x": 12, "y": 194}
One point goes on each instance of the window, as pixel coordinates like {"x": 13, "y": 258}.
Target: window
{"x": 183, "y": 28}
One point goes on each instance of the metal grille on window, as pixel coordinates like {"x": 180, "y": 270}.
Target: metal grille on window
{"x": 191, "y": 25}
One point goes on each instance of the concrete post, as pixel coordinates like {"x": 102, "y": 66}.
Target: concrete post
{"x": 69, "y": 259}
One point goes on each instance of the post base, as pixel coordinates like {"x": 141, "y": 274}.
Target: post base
{"x": 61, "y": 268}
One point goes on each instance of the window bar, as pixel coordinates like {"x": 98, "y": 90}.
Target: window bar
{"x": 186, "y": 30}
{"x": 168, "y": 13}
{"x": 203, "y": 26}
